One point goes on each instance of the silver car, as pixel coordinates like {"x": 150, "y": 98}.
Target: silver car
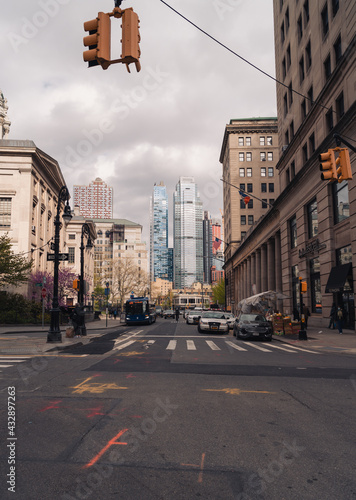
{"x": 213, "y": 321}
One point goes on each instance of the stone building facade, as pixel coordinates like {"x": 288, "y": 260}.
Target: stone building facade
{"x": 310, "y": 232}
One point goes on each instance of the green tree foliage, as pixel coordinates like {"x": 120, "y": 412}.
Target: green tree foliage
{"x": 14, "y": 269}
{"x": 219, "y": 292}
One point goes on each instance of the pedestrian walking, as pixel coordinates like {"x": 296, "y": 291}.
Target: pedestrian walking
{"x": 339, "y": 319}
{"x": 332, "y": 316}
{"x": 306, "y": 313}
{"x": 115, "y": 313}
{"x": 177, "y": 314}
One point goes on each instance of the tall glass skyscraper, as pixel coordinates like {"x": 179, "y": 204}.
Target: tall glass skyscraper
{"x": 159, "y": 252}
{"x": 188, "y": 234}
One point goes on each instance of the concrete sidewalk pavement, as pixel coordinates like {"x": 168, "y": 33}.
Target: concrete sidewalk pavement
{"x": 324, "y": 339}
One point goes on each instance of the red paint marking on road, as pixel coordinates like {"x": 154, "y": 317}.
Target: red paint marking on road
{"x": 51, "y": 406}
{"x": 130, "y": 376}
{"x": 136, "y": 416}
{"x": 95, "y": 411}
{"x": 106, "y": 447}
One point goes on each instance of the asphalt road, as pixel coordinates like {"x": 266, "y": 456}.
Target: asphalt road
{"x": 162, "y": 412}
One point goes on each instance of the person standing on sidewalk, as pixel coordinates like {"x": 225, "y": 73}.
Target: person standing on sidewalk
{"x": 306, "y": 313}
{"x": 332, "y": 316}
{"x": 339, "y": 319}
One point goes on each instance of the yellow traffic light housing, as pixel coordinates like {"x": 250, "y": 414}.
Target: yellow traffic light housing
{"x": 328, "y": 166}
{"x": 76, "y": 284}
{"x": 343, "y": 165}
{"x": 130, "y": 39}
{"x": 98, "y": 41}
{"x": 303, "y": 286}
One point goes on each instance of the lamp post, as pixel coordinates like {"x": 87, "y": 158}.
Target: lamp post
{"x": 54, "y": 334}
{"x": 85, "y": 231}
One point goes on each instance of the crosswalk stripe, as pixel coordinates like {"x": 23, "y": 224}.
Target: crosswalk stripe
{"x": 171, "y": 345}
{"x": 151, "y": 342}
{"x": 257, "y": 347}
{"x": 281, "y": 348}
{"x": 235, "y": 346}
{"x": 191, "y": 345}
{"x": 212, "y": 345}
{"x": 122, "y": 346}
{"x": 302, "y": 349}
{"x": 5, "y": 366}
{"x": 13, "y": 360}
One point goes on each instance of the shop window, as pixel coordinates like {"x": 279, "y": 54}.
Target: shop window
{"x": 293, "y": 232}
{"x": 312, "y": 212}
{"x": 341, "y": 201}
{"x": 315, "y": 286}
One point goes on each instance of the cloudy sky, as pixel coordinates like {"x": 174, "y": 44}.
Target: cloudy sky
{"x": 133, "y": 130}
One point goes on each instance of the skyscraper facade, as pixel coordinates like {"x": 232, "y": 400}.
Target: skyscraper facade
{"x": 188, "y": 234}
{"x": 159, "y": 254}
{"x": 207, "y": 247}
{"x": 94, "y": 201}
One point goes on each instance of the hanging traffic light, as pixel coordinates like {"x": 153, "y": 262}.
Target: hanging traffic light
{"x": 76, "y": 284}
{"x": 343, "y": 165}
{"x": 98, "y": 41}
{"x": 328, "y": 166}
{"x": 130, "y": 39}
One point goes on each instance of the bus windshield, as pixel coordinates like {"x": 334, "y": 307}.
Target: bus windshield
{"x": 136, "y": 307}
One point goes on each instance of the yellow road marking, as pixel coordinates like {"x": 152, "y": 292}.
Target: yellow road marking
{"x": 95, "y": 388}
{"x": 237, "y": 392}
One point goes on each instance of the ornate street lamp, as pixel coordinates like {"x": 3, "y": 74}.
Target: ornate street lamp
{"x": 54, "y": 334}
{"x": 85, "y": 231}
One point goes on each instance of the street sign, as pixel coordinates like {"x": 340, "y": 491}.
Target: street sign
{"x": 61, "y": 256}
{"x": 107, "y": 291}
{"x": 44, "y": 293}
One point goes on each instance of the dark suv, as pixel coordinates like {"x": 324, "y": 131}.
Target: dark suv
{"x": 248, "y": 326}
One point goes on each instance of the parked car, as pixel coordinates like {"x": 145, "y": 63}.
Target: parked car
{"x": 192, "y": 317}
{"x": 231, "y": 318}
{"x": 249, "y": 326}
{"x": 169, "y": 313}
{"x": 213, "y": 321}
{"x": 159, "y": 311}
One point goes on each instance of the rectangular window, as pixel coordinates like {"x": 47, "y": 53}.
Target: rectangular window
{"x": 248, "y": 141}
{"x": 312, "y": 143}
{"x": 271, "y": 201}
{"x": 270, "y": 171}
{"x": 241, "y": 141}
{"x": 270, "y": 156}
{"x": 287, "y": 176}
{"x": 250, "y": 188}
{"x": 250, "y": 204}
{"x": 308, "y": 56}
{"x": 269, "y": 140}
{"x": 248, "y": 156}
{"x": 325, "y": 20}
{"x": 329, "y": 120}
{"x": 291, "y": 129}
{"x": 243, "y": 220}
{"x": 301, "y": 69}
{"x": 293, "y": 232}
{"x": 262, "y": 141}
{"x": 262, "y": 156}
{"x": 327, "y": 67}
{"x": 241, "y": 156}
{"x": 243, "y": 234}
{"x": 344, "y": 255}
{"x": 250, "y": 220}
{"x": 285, "y": 104}
{"x": 292, "y": 169}
{"x": 284, "y": 68}
{"x": 71, "y": 255}
{"x": 311, "y": 97}
{"x": 315, "y": 286}
{"x": 263, "y": 187}
{"x": 312, "y": 213}
{"x": 305, "y": 153}
{"x": 289, "y": 58}
{"x": 335, "y": 6}
{"x": 5, "y": 212}
{"x": 282, "y": 33}
{"x": 242, "y": 204}
{"x": 263, "y": 171}
{"x": 290, "y": 94}
{"x": 242, "y": 186}
{"x": 340, "y": 107}
{"x": 271, "y": 187}
{"x": 71, "y": 236}
{"x": 303, "y": 108}
{"x": 341, "y": 201}
{"x": 242, "y": 172}
{"x": 249, "y": 172}
{"x": 337, "y": 49}
{"x": 264, "y": 203}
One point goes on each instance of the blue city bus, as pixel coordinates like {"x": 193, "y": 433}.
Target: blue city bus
{"x": 137, "y": 311}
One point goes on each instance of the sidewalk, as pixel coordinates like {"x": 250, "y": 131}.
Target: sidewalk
{"x": 37, "y": 336}
{"x": 324, "y": 339}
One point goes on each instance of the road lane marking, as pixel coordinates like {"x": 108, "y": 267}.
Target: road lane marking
{"x": 191, "y": 345}
{"x": 106, "y": 447}
{"x": 122, "y": 346}
{"x": 237, "y": 392}
{"x": 94, "y": 388}
{"x": 212, "y": 345}
{"x": 257, "y": 347}
{"x": 282, "y": 348}
{"x": 235, "y": 346}
{"x": 302, "y": 349}
{"x": 172, "y": 344}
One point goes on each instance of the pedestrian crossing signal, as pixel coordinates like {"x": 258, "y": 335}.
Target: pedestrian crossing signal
{"x": 76, "y": 284}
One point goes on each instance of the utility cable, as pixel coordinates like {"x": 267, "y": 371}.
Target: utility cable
{"x": 243, "y": 59}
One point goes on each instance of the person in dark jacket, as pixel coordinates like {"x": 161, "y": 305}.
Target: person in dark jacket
{"x": 332, "y": 316}
{"x": 177, "y": 314}
{"x": 306, "y": 313}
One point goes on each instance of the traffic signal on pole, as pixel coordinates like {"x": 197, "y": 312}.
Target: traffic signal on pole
{"x": 304, "y": 286}
{"x": 328, "y": 166}
{"x": 98, "y": 41}
{"x": 76, "y": 284}
{"x": 130, "y": 39}
{"x": 343, "y": 165}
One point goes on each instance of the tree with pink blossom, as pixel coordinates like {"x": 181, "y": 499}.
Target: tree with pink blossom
{"x": 65, "y": 286}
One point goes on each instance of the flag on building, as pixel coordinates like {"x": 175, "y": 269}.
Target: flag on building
{"x": 216, "y": 243}
{"x": 245, "y": 197}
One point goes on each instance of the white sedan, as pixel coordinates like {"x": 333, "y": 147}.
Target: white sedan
{"x": 213, "y": 321}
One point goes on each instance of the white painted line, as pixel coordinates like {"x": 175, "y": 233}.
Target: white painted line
{"x": 302, "y": 349}
{"x": 235, "y": 346}
{"x": 5, "y": 366}
{"x": 282, "y": 348}
{"x": 257, "y": 347}
{"x": 172, "y": 344}
{"x": 122, "y": 346}
{"x": 212, "y": 345}
{"x": 191, "y": 345}
{"x": 151, "y": 342}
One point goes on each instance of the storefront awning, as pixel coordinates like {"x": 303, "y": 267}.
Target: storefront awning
{"x": 337, "y": 278}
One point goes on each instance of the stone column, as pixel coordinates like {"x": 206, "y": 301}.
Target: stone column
{"x": 278, "y": 262}
{"x": 258, "y": 271}
{"x": 271, "y": 276}
{"x": 264, "y": 283}
{"x": 253, "y": 273}
{"x": 248, "y": 277}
